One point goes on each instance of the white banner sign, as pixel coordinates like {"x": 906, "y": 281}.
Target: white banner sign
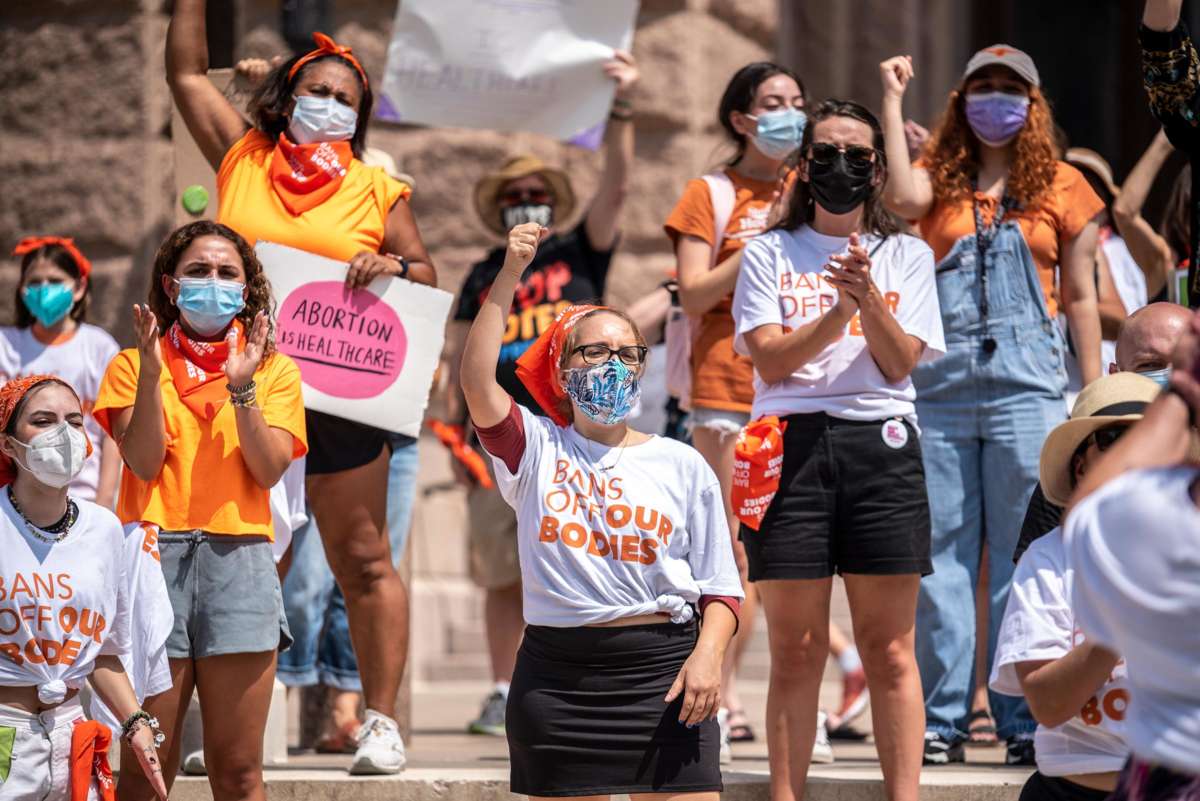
{"x": 506, "y": 65}
{"x": 367, "y": 355}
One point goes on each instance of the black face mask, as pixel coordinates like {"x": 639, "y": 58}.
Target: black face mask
{"x": 540, "y": 213}
{"x": 840, "y": 186}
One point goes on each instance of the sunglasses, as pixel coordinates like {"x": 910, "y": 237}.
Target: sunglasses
{"x": 512, "y": 197}
{"x": 596, "y": 354}
{"x": 1105, "y": 438}
{"x": 856, "y": 155}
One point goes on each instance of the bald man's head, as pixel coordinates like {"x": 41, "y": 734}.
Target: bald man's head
{"x": 1148, "y": 337}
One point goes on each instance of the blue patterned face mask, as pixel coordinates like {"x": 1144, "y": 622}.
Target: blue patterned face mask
{"x": 605, "y": 393}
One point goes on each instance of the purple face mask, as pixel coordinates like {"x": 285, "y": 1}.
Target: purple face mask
{"x": 996, "y": 117}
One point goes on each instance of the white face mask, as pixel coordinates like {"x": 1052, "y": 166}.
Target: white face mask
{"x": 55, "y": 456}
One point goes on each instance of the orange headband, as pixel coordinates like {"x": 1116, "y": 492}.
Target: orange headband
{"x": 31, "y": 243}
{"x": 328, "y": 47}
{"x": 11, "y": 395}
{"x": 537, "y": 368}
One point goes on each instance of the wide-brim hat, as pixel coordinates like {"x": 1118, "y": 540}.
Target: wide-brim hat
{"x": 1088, "y": 159}
{"x": 1115, "y": 398}
{"x": 1005, "y": 56}
{"x": 487, "y": 191}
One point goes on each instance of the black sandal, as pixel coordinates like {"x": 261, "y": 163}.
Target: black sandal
{"x": 985, "y": 732}
{"x": 740, "y": 732}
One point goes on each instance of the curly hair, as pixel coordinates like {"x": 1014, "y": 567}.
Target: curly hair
{"x": 269, "y": 103}
{"x": 953, "y": 152}
{"x": 61, "y": 258}
{"x": 166, "y": 260}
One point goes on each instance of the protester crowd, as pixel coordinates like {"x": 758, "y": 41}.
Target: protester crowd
{"x": 935, "y": 363}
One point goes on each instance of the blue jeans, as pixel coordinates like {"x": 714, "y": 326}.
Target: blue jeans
{"x": 316, "y": 610}
{"x": 984, "y": 416}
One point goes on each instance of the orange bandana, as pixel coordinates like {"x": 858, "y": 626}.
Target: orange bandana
{"x": 90, "y": 740}
{"x": 65, "y": 242}
{"x": 538, "y": 365}
{"x": 198, "y": 368}
{"x": 305, "y": 176}
{"x": 10, "y": 397}
{"x": 757, "y": 465}
{"x": 328, "y": 47}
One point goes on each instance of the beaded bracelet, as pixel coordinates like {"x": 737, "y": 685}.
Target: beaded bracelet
{"x": 243, "y": 395}
{"x": 130, "y": 726}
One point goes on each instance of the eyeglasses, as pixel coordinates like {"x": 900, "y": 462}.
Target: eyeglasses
{"x": 856, "y": 155}
{"x": 512, "y": 197}
{"x": 1105, "y": 438}
{"x": 595, "y": 353}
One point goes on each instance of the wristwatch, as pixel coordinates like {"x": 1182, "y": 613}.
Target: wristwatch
{"x": 403, "y": 263}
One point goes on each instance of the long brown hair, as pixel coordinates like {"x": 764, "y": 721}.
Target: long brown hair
{"x": 953, "y": 152}
{"x": 258, "y": 295}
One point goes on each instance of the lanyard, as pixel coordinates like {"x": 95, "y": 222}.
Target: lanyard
{"x": 984, "y": 236}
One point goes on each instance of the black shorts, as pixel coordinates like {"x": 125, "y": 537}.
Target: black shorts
{"x": 847, "y": 503}
{"x": 586, "y": 715}
{"x": 336, "y": 444}
{"x": 1051, "y": 788}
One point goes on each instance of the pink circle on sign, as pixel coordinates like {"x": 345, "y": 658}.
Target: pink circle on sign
{"x": 348, "y": 344}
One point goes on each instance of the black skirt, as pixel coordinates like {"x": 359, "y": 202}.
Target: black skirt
{"x": 586, "y": 714}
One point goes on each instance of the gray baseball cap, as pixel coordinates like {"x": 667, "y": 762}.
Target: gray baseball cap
{"x": 1006, "y": 56}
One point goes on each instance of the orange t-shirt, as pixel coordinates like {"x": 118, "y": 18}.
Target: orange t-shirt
{"x": 349, "y": 222}
{"x": 204, "y": 483}
{"x": 1068, "y": 206}
{"x": 721, "y": 379}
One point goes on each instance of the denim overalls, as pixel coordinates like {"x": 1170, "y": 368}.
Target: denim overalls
{"x": 984, "y": 416}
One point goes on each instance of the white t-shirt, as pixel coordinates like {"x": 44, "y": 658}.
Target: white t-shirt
{"x": 647, "y": 535}
{"x": 288, "y": 511}
{"x": 1135, "y": 548}
{"x": 783, "y": 282}
{"x": 61, "y": 604}
{"x": 80, "y": 361}
{"x": 150, "y": 620}
{"x": 1038, "y": 625}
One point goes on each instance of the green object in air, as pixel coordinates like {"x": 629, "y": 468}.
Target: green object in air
{"x": 195, "y": 199}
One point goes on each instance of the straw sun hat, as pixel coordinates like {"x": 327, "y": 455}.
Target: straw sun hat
{"x": 487, "y": 191}
{"x": 1116, "y": 398}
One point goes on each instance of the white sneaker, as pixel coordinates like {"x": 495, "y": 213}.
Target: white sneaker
{"x": 193, "y": 764}
{"x": 380, "y": 749}
{"x": 723, "y": 724}
{"x": 822, "y": 752}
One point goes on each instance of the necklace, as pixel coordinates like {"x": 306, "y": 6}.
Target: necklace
{"x": 59, "y": 530}
{"x": 620, "y": 453}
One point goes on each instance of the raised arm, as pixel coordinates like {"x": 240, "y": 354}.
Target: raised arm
{"x": 139, "y": 429}
{"x": 210, "y": 118}
{"x": 908, "y": 192}
{"x": 266, "y": 450}
{"x": 1161, "y": 15}
{"x": 605, "y": 211}
{"x": 1079, "y": 299}
{"x": 1149, "y": 250}
{"x": 487, "y": 401}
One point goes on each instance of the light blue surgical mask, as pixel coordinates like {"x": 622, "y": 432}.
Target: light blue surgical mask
{"x": 779, "y": 131}
{"x": 49, "y": 303}
{"x": 1162, "y": 377}
{"x": 208, "y": 305}
{"x": 605, "y": 393}
{"x": 321, "y": 119}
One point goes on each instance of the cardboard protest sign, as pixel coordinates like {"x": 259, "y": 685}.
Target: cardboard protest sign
{"x": 506, "y": 65}
{"x": 367, "y": 355}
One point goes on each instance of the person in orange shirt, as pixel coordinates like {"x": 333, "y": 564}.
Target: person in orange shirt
{"x": 1009, "y": 223}
{"x": 762, "y": 113}
{"x": 208, "y": 416}
{"x": 296, "y": 178}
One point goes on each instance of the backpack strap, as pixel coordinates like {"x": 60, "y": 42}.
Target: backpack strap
{"x": 724, "y": 196}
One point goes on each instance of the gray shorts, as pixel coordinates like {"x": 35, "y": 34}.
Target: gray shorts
{"x": 225, "y": 594}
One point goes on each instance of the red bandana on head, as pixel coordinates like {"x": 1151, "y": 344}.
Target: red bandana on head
{"x": 198, "y": 368}
{"x": 65, "y": 242}
{"x": 10, "y": 397}
{"x": 538, "y": 365}
{"x": 305, "y": 176}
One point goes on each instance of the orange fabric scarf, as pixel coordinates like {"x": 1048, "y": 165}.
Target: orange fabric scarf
{"x": 89, "y": 761}
{"x": 305, "y": 176}
{"x": 198, "y": 368}
{"x": 757, "y": 465}
{"x": 10, "y": 397}
{"x": 537, "y": 367}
